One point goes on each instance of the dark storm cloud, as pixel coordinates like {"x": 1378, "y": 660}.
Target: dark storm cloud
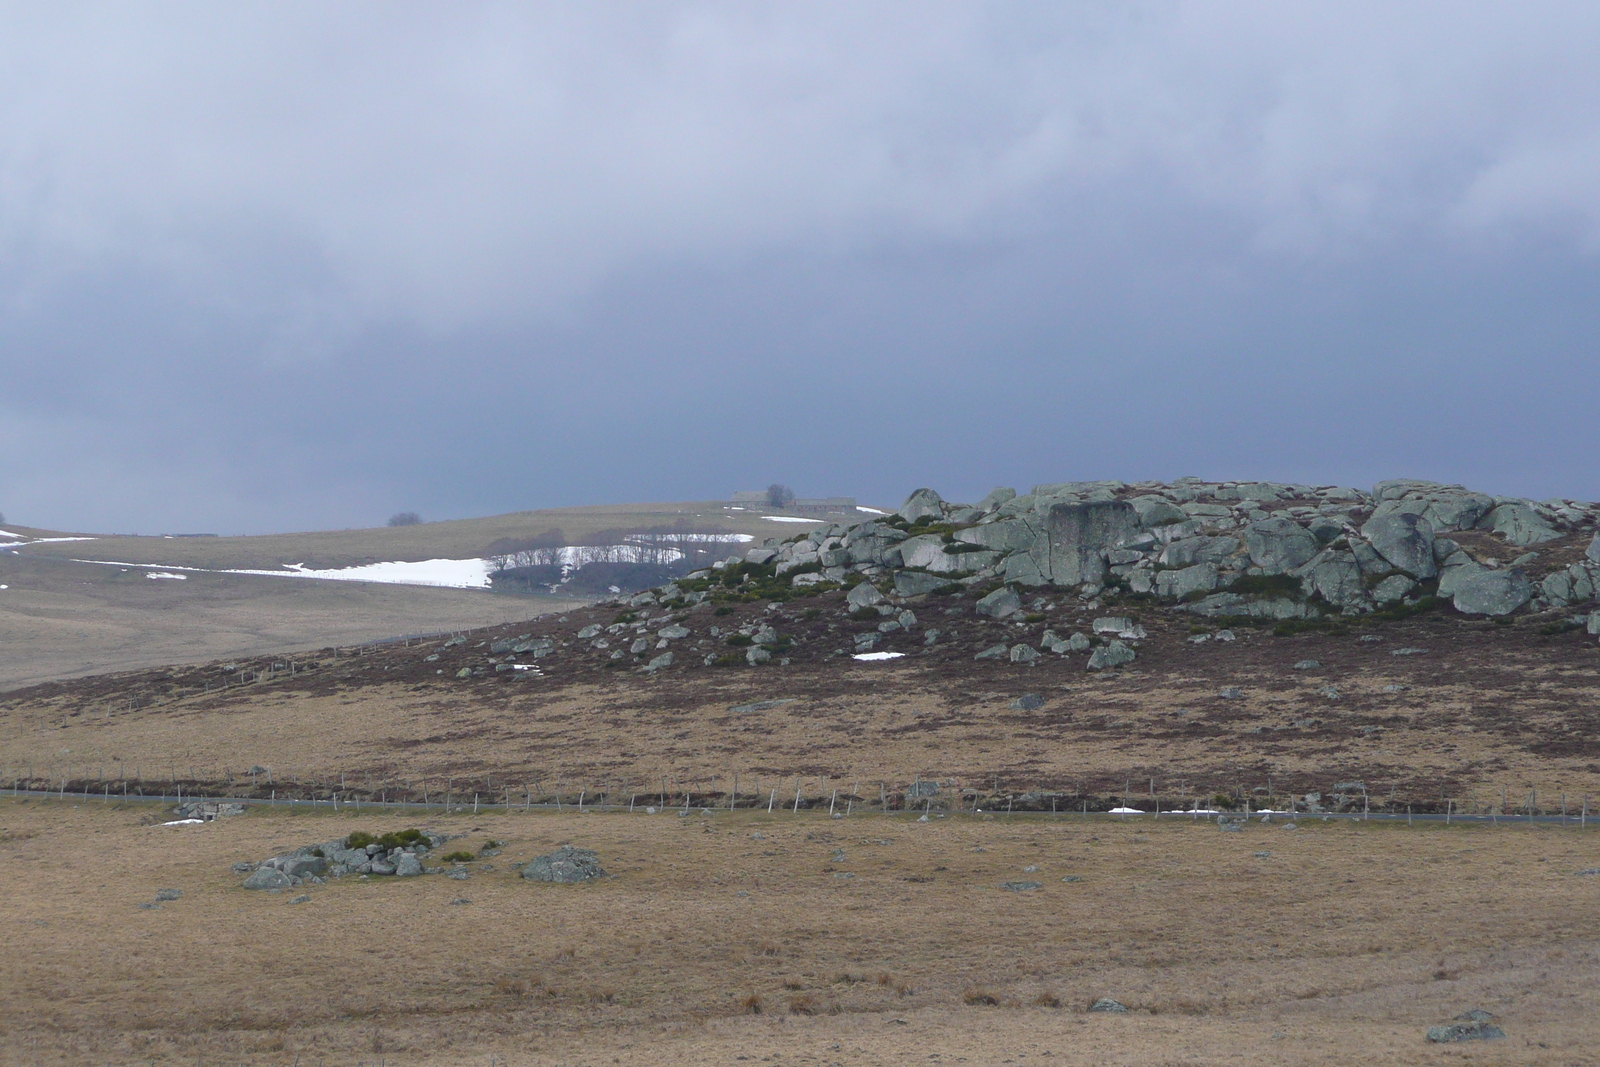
{"x": 271, "y": 266}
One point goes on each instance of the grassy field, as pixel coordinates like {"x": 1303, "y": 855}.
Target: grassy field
{"x": 1490, "y": 716}
{"x": 65, "y": 620}
{"x": 453, "y": 539}
{"x": 800, "y": 939}
{"x": 61, "y": 619}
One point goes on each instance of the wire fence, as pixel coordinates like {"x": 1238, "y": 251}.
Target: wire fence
{"x": 926, "y": 799}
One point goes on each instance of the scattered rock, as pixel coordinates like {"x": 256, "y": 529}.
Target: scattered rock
{"x": 566, "y": 864}
{"x": 1024, "y": 654}
{"x": 407, "y": 866}
{"x": 168, "y": 894}
{"x": 1115, "y": 654}
{"x": 1107, "y": 1004}
{"x": 1471, "y": 1031}
{"x": 1027, "y": 702}
{"x": 459, "y": 901}
{"x": 1308, "y": 665}
{"x": 303, "y": 898}
{"x": 994, "y": 652}
{"x": 864, "y": 595}
{"x": 1230, "y": 692}
{"x": 1020, "y": 887}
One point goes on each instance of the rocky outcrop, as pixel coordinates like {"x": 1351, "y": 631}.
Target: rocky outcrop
{"x": 401, "y": 856}
{"x": 1263, "y": 550}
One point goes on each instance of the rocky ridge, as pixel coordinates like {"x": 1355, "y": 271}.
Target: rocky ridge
{"x": 1215, "y": 549}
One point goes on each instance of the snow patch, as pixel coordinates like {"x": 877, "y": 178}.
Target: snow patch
{"x": 1127, "y": 811}
{"x": 184, "y": 822}
{"x": 872, "y": 656}
{"x": 165, "y": 574}
{"x": 789, "y": 518}
{"x": 870, "y": 511}
{"x": 450, "y": 573}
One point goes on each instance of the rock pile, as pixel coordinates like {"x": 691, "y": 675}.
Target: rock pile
{"x": 1255, "y": 549}
{"x": 566, "y": 864}
{"x": 358, "y": 854}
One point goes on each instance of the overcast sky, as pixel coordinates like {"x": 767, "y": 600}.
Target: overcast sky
{"x": 286, "y": 266}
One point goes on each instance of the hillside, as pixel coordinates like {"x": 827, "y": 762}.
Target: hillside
{"x": 449, "y": 539}
{"x": 1263, "y": 686}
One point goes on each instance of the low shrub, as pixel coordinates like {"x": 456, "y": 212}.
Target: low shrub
{"x": 460, "y": 856}
{"x": 979, "y": 997}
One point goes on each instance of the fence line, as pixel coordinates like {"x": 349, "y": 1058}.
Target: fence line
{"x": 917, "y": 799}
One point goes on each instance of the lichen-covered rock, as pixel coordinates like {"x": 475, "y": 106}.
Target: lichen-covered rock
{"x": 921, "y": 504}
{"x": 1480, "y": 590}
{"x": 1279, "y": 546}
{"x": 566, "y": 864}
{"x": 1519, "y": 524}
{"x": 1115, "y": 654}
{"x": 1080, "y": 535}
{"x": 1000, "y": 604}
{"x": 1405, "y": 541}
{"x": 268, "y": 878}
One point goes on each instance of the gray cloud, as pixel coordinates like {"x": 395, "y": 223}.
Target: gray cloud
{"x": 276, "y": 265}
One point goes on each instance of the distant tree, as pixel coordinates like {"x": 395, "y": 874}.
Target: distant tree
{"x": 779, "y": 495}
{"x": 405, "y": 518}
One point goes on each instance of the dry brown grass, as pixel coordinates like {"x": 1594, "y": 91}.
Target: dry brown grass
{"x": 1342, "y": 946}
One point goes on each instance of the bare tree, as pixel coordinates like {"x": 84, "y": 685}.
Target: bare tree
{"x": 779, "y": 495}
{"x": 405, "y": 518}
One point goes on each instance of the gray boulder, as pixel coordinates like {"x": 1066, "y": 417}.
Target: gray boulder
{"x": 1279, "y": 546}
{"x": 761, "y": 555}
{"x": 1325, "y": 529}
{"x": 1192, "y": 550}
{"x": 1000, "y": 604}
{"x": 566, "y": 864}
{"x": 661, "y": 661}
{"x": 1107, "y": 1004}
{"x": 995, "y": 497}
{"x": 1593, "y": 551}
{"x": 1176, "y": 584}
{"x": 1479, "y": 590}
{"x": 1115, "y": 654}
{"x": 864, "y": 595}
{"x": 268, "y": 878}
{"x": 755, "y": 657}
{"x": 673, "y": 632}
{"x": 994, "y": 652}
{"x": 916, "y": 583}
{"x": 1335, "y": 576}
{"x": 1477, "y": 1030}
{"x": 1404, "y": 540}
{"x": 1024, "y": 654}
{"x": 407, "y": 865}
{"x": 1080, "y": 534}
{"x": 1392, "y": 588}
{"x": 1157, "y": 511}
{"x": 1519, "y": 524}
{"x": 920, "y": 504}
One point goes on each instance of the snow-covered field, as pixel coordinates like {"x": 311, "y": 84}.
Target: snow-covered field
{"x": 447, "y": 573}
